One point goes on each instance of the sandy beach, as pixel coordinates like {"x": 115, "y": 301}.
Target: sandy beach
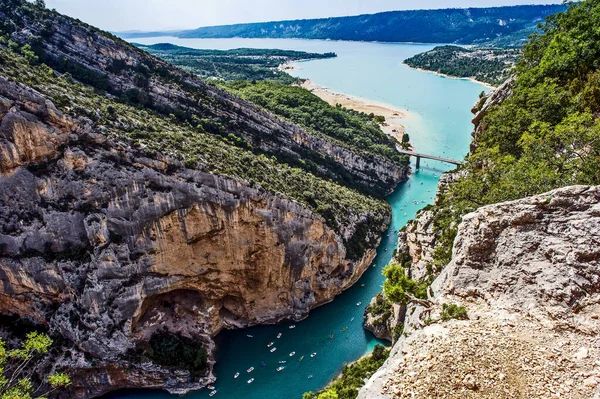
{"x": 393, "y": 117}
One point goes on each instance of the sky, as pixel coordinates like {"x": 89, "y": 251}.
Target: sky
{"x": 123, "y": 15}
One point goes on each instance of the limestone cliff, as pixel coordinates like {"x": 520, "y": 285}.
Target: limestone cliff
{"x": 102, "y": 247}
{"x": 528, "y": 273}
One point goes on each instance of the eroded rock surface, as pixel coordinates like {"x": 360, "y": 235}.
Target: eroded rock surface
{"x": 103, "y": 247}
{"x": 528, "y": 273}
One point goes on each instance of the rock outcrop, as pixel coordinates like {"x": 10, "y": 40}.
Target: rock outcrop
{"x": 527, "y": 272}
{"x": 384, "y": 318}
{"x": 103, "y": 247}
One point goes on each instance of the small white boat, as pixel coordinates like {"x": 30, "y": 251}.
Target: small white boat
{"x": 310, "y": 376}
{"x": 278, "y": 335}
{"x": 362, "y": 285}
{"x": 251, "y": 380}
{"x": 282, "y": 362}
{"x": 280, "y": 368}
{"x": 352, "y": 319}
{"x": 211, "y": 387}
{"x": 292, "y": 354}
{"x": 292, "y": 326}
{"x": 313, "y": 354}
{"x": 270, "y": 344}
{"x": 212, "y": 393}
{"x": 250, "y": 336}
{"x": 273, "y": 350}
{"x": 250, "y": 369}
{"x": 236, "y": 375}
{"x": 359, "y": 303}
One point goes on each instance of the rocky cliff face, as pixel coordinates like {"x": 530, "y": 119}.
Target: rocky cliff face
{"x": 527, "y": 272}
{"x": 384, "y": 318}
{"x": 124, "y": 70}
{"x": 103, "y": 247}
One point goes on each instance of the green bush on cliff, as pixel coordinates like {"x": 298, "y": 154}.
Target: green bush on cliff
{"x": 173, "y": 351}
{"x": 18, "y": 368}
{"x": 453, "y": 311}
{"x": 399, "y": 288}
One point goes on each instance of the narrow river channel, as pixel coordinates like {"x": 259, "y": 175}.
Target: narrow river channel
{"x": 438, "y": 122}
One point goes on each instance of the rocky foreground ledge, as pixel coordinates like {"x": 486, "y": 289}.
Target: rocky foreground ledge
{"x": 528, "y": 273}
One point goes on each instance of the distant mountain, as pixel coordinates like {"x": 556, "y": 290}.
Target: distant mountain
{"x": 463, "y": 26}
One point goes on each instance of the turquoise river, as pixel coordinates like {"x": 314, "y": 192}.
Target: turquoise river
{"x": 438, "y": 122}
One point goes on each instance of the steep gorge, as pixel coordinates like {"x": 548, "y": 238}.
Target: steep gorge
{"x": 138, "y": 201}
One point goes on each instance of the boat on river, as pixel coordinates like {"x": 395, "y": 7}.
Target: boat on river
{"x": 278, "y": 335}
{"x": 236, "y": 375}
{"x": 359, "y": 303}
{"x": 250, "y": 336}
{"x": 273, "y": 350}
{"x": 344, "y": 329}
{"x": 282, "y": 361}
{"x": 211, "y": 387}
{"x": 292, "y": 354}
{"x": 352, "y": 319}
{"x": 280, "y": 368}
{"x": 310, "y": 376}
{"x": 313, "y": 354}
{"x": 212, "y": 393}
{"x": 301, "y": 358}
{"x": 270, "y": 344}
{"x": 250, "y": 369}
{"x": 251, "y": 380}
{"x": 292, "y": 326}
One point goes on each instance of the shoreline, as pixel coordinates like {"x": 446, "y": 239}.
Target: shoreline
{"x": 393, "y": 125}
{"x": 487, "y": 85}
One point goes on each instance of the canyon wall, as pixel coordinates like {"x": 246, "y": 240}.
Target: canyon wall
{"x": 102, "y": 247}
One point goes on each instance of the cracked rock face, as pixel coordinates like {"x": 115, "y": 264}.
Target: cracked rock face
{"x": 528, "y": 273}
{"x": 103, "y": 247}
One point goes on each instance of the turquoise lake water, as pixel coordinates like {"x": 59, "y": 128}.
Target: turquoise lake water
{"x": 438, "y": 122}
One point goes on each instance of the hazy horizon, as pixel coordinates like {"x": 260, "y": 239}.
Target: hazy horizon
{"x": 158, "y": 15}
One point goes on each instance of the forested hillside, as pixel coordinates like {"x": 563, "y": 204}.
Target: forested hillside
{"x": 464, "y": 26}
{"x": 237, "y": 64}
{"x": 492, "y": 66}
{"x": 544, "y": 135}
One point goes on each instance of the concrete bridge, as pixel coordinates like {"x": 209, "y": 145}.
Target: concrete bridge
{"x": 435, "y": 158}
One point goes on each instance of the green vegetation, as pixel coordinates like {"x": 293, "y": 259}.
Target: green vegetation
{"x": 238, "y": 64}
{"x": 353, "y": 377}
{"x": 504, "y": 25}
{"x": 354, "y": 130}
{"x": 19, "y": 377}
{"x": 174, "y": 351}
{"x": 545, "y": 135}
{"x": 399, "y": 288}
{"x": 453, "y": 311}
{"x": 491, "y": 66}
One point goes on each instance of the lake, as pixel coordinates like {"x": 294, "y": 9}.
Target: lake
{"x": 438, "y": 122}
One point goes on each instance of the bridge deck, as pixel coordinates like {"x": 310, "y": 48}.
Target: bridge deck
{"x": 435, "y": 158}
